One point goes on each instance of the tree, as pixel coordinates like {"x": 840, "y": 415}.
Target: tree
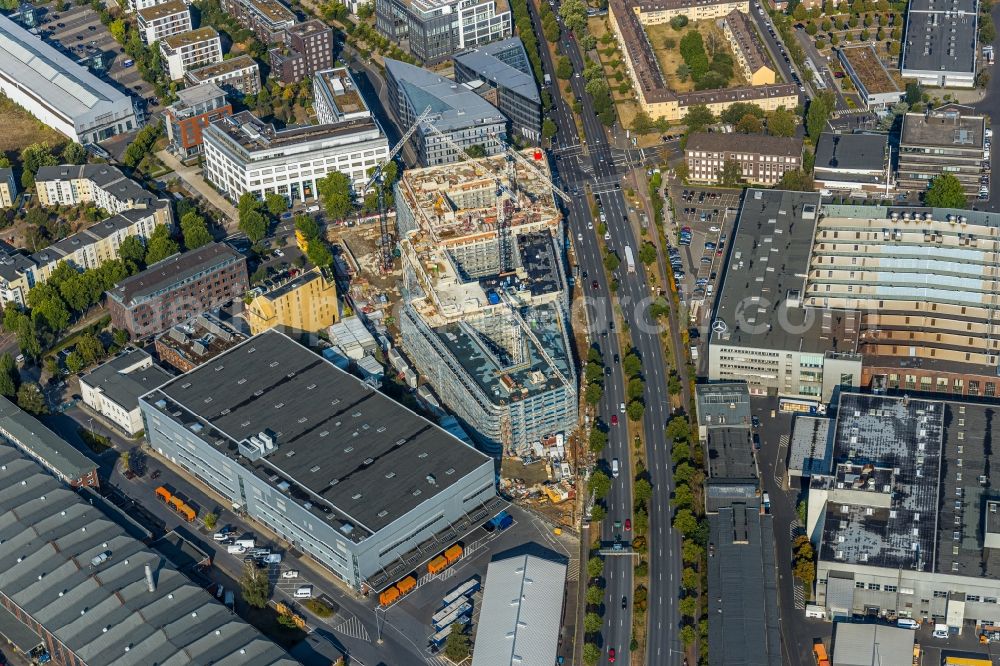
{"x": 133, "y": 251}
{"x": 195, "y": 231}
{"x": 684, "y": 473}
{"x": 632, "y": 364}
{"x": 731, "y": 173}
{"x": 591, "y": 654}
{"x": 688, "y": 635}
{"x": 599, "y": 484}
{"x": 592, "y": 623}
{"x": 688, "y": 606}
{"x": 734, "y": 112}
{"x": 817, "y": 115}
{"x": 275, "y": 204}
{"x": 945, "y": 191}
{"x": 683, "y": 497}
{"x": 456, "y": 647}
{"x": 592, "y": 394}
{"x": 549, "y": 128}
{"x": 685, "y": 522}
{"x": 254, "y": 585}
{"x": 749, "y": 124}
{"x": 210, "y": 520}
{"x": 564, "y": 68}
{"x": 674, "y": 384}
{"x": 10, "y": 378}
{"x": 595, "y": 596}
{"x": 307, "y": 226}
{"x": 117, "y": 29}
{"x": 796, "y": 180}
{"x": 32, "y": 158}
{"x": 598, "y": 513}
{"x": 74, "y": 362}
{"x": 678, "y": 428}
{"x": 160, "y": 245}
{"x": 678, "y": 22}
{"x": 90, "y": 348}
{"x": 698, "y": 118}
{"x": 335, "y": 194}
{"x": 595, "y": 567}
{"x": 574, "y": 15}
{"x": 611, "y": 261}
{"x": 31, "y": 399}
{"x": 635, "y": 389}
{"x": 635, "y": 410}
{"x": 642, "y": 491}
{"x": 691, "y": 552}
{"x": 74, "y": 153}
{"x": 254, "y": 225}
{"x": 318, "y": 253}
{"x": 597, "y": 440}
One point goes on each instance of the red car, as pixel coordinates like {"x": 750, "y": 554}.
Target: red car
{"x": 614, "y": 419}
{"x": 611, "y": 655}
{"x": 628, "y": 524}
{"x": 594, "y": 285}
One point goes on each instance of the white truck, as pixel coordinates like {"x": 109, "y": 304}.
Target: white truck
{"x": 629, "y": 259}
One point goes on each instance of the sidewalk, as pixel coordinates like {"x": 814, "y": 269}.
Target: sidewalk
{"x": 192, "y": 178}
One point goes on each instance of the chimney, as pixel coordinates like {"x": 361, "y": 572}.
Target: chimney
{"x": 149, "y": 579}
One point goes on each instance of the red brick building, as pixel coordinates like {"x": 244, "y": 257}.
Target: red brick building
{"x": 195, "y": 109}
{"x": 178, "y": 288}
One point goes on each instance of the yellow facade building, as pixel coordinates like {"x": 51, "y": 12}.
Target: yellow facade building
{"x": 306, "y": 303}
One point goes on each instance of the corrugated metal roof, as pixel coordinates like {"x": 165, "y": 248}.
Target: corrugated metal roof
{"x": 522, "y": 608}
{"x": 23, "y": 429}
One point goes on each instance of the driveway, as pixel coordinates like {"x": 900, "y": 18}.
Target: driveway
{"x": 193, "y": 178}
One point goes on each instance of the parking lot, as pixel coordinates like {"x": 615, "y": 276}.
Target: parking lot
{"x": 79, "y": 33}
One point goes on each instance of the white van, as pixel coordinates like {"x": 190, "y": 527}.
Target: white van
{"x": 940, "y": 631}
{"x": 235, "y": 549}
{"x": 906, "y": 623}
{"x": 246, "y": 543}
{"x": 304, "y": 592}
{"x": 614, "y": 467}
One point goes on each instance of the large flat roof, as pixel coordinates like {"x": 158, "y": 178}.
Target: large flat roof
{"x": 758, "y": 144}
{"x": 105, "y": 612}
{"x": 52, "y": 76}
{"x": 811, "y": 446}
{"x": 868, "y": 67}
{"x": 488, "y": 64}
{"x": 950, "y": 127}
{"x": 366, "y": 459}
{"x": 172, "y": 271}
{"x": 122, "y": 382}
{"x": 456, "y": 106}
{"x": 940, "y": 39}
{"x": 253, "y": 134}
{"x": 852, "y": 152}
{"x": 855, "y": 645}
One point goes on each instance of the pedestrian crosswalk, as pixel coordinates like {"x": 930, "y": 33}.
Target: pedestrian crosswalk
{"x": 353, "y": 627}
{"x": 800, "y": 594}
{"x": 573, "y": 569}
{"x": 438, "y": 661}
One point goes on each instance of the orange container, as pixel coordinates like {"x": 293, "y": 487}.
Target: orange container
{"x": 388, "y": 596}
{"x": 439, "y": 563}
{"x": 176, "y": 502}
{"x": 453, "y": 553}
{"x": 819, "y": 652}
{"x": 163, "y": 494}
{"x": 406, "y": 585}
{"x": 186, "y": 511}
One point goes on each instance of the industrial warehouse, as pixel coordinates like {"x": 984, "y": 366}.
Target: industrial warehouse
{"x": 362, "y": 485}
{"x": 485, "y": 317}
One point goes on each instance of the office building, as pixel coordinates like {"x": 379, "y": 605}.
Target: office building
{"x": 336, "y": 97}
{"x": 113, "y": 389}
{"x": 462, "y": 115}
{"x": 853, "y": 163}
{"x": 8, "y": 188}
{"x": 939, "y": 47}
{"x": 749, "y": 51}
{"x": 501, "y": 74}
{"x": 761, "y": 159}
{"x": 266, "y": 18}
{"x": 509, "y": 382}
{"x": 334, "y": 468}
{"x": 77, "y": 577}
{"x": 923, "y": 282}
{"x": 237, "y": 76}
{"x": 904, "y": 523}
{"x": 178, "y": 288}
{"x": 158, "y": 22}
{"x": 195, "y": 109}
{"x": 435, "y": 29}
{"x": 306, "y": 48}
{"x": 245, "y": 154}
{"x": 196, "y": 341}
{"x": 23, "y": 431}
{"x": 100, "y": 184}
{"x": 877, "y": 86}
{"x": 59, "y": 92}
{"x": 525, "y": 633}
{"x": 654, "y": 95}
{"x": 724, "y": 430}
{"x": 760, "y": 331}
{"x": 950, "y": 139}
{"x": 304, "y": 304}
{"x": 190, "y": 50}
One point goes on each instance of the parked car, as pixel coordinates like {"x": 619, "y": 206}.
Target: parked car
{"x": 291, "y": 573}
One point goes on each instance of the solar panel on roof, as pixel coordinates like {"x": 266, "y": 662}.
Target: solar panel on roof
{"x": 43, "y": 68}
{"x": 18, "y": 51}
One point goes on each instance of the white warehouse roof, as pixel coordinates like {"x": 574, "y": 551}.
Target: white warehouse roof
{"x": 521, "y": 614}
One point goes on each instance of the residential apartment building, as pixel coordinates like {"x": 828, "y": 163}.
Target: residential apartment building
{"x": 306, "y": 48}
{"x": 178, "y": 288}
{"x": 751, "y": 56}
{"x": 113, "y": 388}
{"x": 8, "y": 188}
{"x": 304, "y": 304}
{"x": 653, "y": 12}
{"x": 762, "y": 159}
{"x": 501, "y": 74}
{"x": 336, "y": 97}
{"x": 164, "y": 20}
{"x": 939, "y": 47}
{"x": 923, "y": 282}
{"x": 462, "y": 115}
{"x": 237, "y": 76}
{"x": 853, "y": 163}
{"x": 244, "y": 154}
{"x": 59, "y": 92}
{"x": 100, "y": 184}
{"x": 190, "y": 50}
{"x": 950, "y": 139}
{"x": 195, "y": 109}
{"x": 346, "y": 475}
{"x": 266, "y": 18}
{"x": 435, "y": 29}
{"x": 761, "y": 333}
{"x": 904, "y": 522}
{"x": 137, "y": 5}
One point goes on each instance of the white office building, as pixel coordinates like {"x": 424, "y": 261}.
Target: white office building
{"x": 245, "y": 154}
{"x": 161, "y": 21}
{"x": 190, "y": 50}
{"x": 113, "y": 389}
{"x": 59, "y": 92}
{"x": 336, "y": 97}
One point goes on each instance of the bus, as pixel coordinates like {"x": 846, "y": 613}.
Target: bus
{"x": 457, "y": 615}
{"x": 466, "y": 589}
{"x": 800, "y": 406}
{"x": 448, "y": 610}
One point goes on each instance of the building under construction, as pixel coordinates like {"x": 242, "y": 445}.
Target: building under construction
{"x": 485, "y": 299}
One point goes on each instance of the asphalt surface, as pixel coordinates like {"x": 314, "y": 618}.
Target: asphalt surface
{"x": 988, "y": 106}
{"x": 822, "y": 66}
{"x": 603, "y": 176}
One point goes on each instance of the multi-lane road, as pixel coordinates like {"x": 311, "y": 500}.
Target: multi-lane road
{"x": 596, "y": 166}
